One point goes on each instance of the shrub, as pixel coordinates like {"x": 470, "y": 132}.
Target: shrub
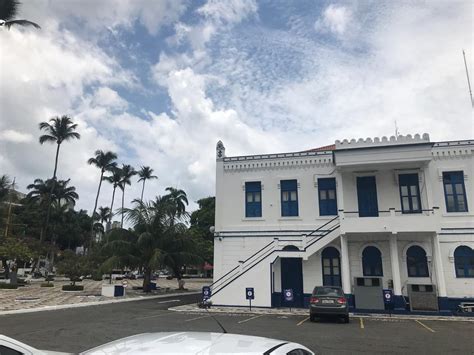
{"x": 73, "y": 288}
{"x": 8, "y": 286}
{"x": 47, "y": 284}
{"x": 49, "y": 278}
{"x": 97, "y": 276}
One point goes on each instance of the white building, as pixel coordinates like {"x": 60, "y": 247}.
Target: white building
{"x": 373, "y": 214}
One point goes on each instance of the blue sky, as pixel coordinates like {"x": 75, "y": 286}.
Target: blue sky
{"x": 160, "y": 82}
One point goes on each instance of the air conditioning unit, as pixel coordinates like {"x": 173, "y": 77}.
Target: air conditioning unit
{"x": 423, "y": 297}
{"x": 368, "y": 293}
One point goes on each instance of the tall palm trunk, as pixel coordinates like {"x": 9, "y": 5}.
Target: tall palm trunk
{"x": 44, "y": 230}
{"x": 95, "y": 207}
{"x": 143, "y": 189}
{"x": 123, "y": 205}
{"x": 112, "y": 204}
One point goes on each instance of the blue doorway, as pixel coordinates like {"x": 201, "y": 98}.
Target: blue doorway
{"x": 367, "y": 196}
{"x": 331, "y": 263}
{"x": 292, "y": 277}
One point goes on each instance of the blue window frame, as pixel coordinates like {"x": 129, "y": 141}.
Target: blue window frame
{"x": 464, "y": 261}
{"x": 417, "y": 263}
{"x": 454, "y": 191}
{"x": 289, "y": 198}
{"x": 372, "y": 262}
{"x": 253, "y": 199}
{"x": 409, "y": 193}
{"x": 327, "y": 197}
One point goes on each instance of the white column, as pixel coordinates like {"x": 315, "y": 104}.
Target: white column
{"x": 345, "y": 266}
{"x": 395, "y": 263}
{"x": 438, "y": 263}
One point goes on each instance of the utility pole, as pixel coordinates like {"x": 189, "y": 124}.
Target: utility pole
{"x": 467, "y": 76}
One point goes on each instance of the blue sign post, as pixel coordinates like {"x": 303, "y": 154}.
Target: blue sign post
{"x": 206, "y": 293}
{"x": 250, "y": 295}
{"x": 388, "y": 299}
{"x": 288, "y": 295}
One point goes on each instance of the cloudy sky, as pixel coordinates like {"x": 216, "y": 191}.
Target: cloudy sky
{"x": 160, "y": 82}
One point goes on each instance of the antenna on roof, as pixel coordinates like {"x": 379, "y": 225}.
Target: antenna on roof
{"x": 467, "y": 76}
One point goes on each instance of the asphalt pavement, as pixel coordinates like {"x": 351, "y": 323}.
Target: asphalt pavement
{"x": 78, "y": 329}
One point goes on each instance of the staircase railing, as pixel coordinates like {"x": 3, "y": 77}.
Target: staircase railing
{"x": 265, "y": 252}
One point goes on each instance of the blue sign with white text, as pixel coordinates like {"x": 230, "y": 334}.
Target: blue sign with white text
{"x": 249, "y": 293}
{"x": 206, "y": 292}
{"x": 288, "y": 294}
{"x": 387, "y": 296}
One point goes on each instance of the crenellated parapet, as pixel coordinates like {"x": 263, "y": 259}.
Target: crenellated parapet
{"x": 383, "y": 141}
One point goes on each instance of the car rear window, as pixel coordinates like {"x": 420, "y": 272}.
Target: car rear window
{"x": 328, "y": 291}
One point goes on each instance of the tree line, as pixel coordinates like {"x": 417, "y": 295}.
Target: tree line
{"x": 43, "y": 225}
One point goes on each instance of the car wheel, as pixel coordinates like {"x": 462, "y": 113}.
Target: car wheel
{"x": 312, "y": 318}
{"x": 346, "y": 319}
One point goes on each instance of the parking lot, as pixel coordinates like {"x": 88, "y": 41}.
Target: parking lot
{"x": 82, "y": 328}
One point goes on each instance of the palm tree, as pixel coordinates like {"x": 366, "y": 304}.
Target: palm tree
{"x": 5, "y": 184}
{"x": 8, "y": 10}
{"x": 178, "y": 200}
{"x": 59, "y": 130}
{"x": 64, "y": 195}
{"x": 154, "y": 241}
{"x": 104, "y": 214}
{"x": 145, "y": 173}
{"x": 127, "y": 173}
{"x": 114, "y": 179}
{"x": 105, "y": 161}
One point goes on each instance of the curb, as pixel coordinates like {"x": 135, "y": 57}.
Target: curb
{"x": 94, "y": 303}
{"x": 188, "y": 309}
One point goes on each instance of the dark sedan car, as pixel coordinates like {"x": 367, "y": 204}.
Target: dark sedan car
{"x": 328, "y": 301}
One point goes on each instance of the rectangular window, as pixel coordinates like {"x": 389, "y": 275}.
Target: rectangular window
{"x": 253, "y": 199}
{"x": 454, "y": 191}
{"x": 289, "y": 198}
{"x": 409, "y": 193}
{"x": 327, "y": 197}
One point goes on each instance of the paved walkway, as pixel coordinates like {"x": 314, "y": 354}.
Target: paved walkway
{"x": 33, "y": 296}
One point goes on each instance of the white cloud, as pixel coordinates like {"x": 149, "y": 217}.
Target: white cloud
{"x": 105, "y": 96}
{"x": 97, "y": 15}
{"x": 230, "y": 11}
{"x": 13, "y": 136}
{"x": 335, "y": 19}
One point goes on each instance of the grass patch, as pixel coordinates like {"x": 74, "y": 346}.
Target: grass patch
{"x": 73, "y": 288}
{"x": 47, "y": 284}
{"x": 8, "y": 286}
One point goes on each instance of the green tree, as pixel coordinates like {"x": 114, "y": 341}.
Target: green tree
{"x": 73, "y": 266}
{"x": 127, "y": 172}
{"x": 156, "y": 240}
{"x": 58, "y": 130}
{"x": 178, "y": 200}
{"x": 115, "y": 178}
{"x": 12, "y": 252}
{"x": 105, "y": 161}
{"x": 200, "y": 228}
{"x": 145, "y": 173}
{"x": 8, "y": 11}
{"x": 5, "y": 184}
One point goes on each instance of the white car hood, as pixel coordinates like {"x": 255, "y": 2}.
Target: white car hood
{"x": 186, "y": 343}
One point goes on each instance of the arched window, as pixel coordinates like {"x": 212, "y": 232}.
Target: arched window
{"x": 417, "y": 264}
{"x": 464, "y": 261}
{"x": 372, "y": 262}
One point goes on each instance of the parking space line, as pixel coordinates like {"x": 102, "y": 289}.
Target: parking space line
{"x": 425, "y": 326}
{"x": 156, "y": 315}
{"x": 304, "y": 320}
{"x": 189, "y": 320}
{"x": 361, "y": 323}
{"x": 246, "y": 320}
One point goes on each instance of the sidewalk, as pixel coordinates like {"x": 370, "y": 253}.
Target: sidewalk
{"x": 33, "y": 296}
{"x": 190, "y": 308}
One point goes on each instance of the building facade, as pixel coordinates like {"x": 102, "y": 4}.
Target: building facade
{"x": 368, "y": 215}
